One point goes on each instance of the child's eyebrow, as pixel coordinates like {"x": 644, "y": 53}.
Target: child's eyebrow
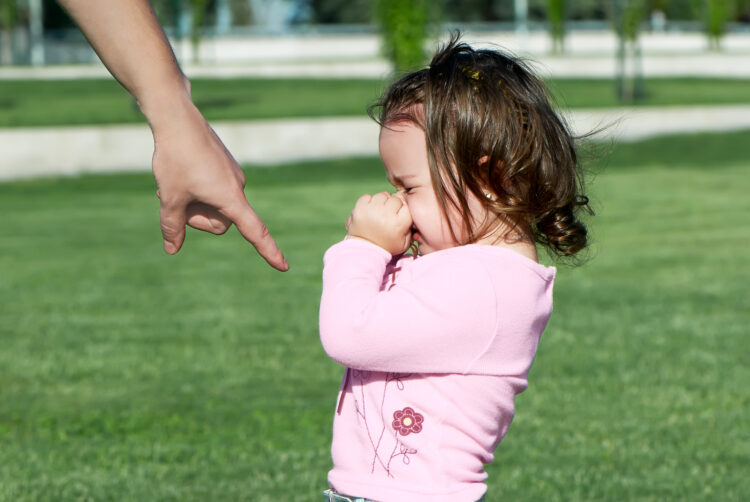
{"x": 400, "y": 180}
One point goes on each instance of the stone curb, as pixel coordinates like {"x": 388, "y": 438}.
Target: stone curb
{"x": 54, "y": 151}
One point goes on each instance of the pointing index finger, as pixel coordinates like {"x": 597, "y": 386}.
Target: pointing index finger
{"x": 256, "y": 233}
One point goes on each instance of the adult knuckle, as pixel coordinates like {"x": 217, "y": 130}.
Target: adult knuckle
{"x": 169, "y": 226}
{"x": 219, "y": 228}
{"x": 261, "y": 232}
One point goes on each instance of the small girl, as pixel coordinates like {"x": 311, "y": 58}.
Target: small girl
{"x": 438, "y": 342}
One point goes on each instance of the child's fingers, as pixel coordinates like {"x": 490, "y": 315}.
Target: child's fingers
{"x": 407, "y": 242}
{"x": 361, "y": 203}
{"x": 403, "y": 216}
{"x": 363, "y": 199}
{"x": 381, "y": 198}
{"x": 394, "y": 203}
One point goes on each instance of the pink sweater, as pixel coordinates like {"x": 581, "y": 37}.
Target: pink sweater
{"x": 436, "y": 349}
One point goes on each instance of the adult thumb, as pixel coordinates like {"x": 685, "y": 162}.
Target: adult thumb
{"x": 173, "y": 221}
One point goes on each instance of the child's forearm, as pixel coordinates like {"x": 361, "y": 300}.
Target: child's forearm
{"x": 418, "y": 326}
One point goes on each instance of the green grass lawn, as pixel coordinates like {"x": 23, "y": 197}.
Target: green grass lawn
{"x": 77, "y": 102}
{"x": 126, "y": 374}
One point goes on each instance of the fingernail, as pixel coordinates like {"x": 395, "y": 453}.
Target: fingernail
{"x": 169, "y": 247}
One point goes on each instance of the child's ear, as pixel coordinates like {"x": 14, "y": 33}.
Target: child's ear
{"x": 482, "y": 162}
{"x": 485, "y": 175}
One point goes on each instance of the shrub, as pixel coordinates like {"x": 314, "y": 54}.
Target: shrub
{"x": 403, "y": 25}
{"x": 556, "y": 19}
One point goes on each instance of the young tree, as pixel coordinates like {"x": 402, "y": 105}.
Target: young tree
{"x": 556, "y": 20}
{"x": 199, "y": 9}
{"x": 716, "y": 15}
{"x": 8, "y": 20}
{"x": 403, "y": 25}
{"x": 628, "y": 18}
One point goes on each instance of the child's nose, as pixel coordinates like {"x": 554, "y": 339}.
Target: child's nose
{"x": 400, "y": 196}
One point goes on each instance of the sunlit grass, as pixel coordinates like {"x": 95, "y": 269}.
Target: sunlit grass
{"x": 78, "y": 102}
{"x": 126, "y": 374}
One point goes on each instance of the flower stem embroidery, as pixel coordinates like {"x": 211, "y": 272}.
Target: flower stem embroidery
{"x": 404, "y": 422}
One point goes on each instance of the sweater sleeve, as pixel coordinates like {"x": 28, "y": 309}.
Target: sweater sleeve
{"x": 440, "y": 320}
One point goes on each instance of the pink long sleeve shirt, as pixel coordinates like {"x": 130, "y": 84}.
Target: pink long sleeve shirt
{"x": 436, "y": 348}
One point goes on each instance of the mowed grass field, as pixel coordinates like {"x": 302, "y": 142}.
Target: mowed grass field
{"x": 126, "y": 374}
{"x": 102, "y": 101}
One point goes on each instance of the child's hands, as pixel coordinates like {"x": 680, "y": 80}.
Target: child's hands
{"x": 382, "y": 219}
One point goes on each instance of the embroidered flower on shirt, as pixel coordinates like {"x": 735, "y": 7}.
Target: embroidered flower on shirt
{"x": 407, "y": 421}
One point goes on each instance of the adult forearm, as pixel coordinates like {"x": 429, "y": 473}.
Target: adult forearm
{"x": 130, "y": 42}
{"x": 199, "y": 183}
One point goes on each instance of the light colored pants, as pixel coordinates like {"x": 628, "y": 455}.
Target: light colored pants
{"x": 332, "y": 496}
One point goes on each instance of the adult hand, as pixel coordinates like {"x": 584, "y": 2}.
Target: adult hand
{"x": 383, "y": 219}
{"x": 200, "y": 184}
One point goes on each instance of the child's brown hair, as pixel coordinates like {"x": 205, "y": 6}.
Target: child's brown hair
{"x": 491, "y": 130}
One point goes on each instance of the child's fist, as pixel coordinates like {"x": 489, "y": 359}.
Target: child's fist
{"x": 382, "y": 219}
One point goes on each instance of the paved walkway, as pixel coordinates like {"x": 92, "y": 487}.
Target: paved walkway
{"x": 726, "y": 65}
{"x": 28, "y": 152}
{"x": 588, "y": 54}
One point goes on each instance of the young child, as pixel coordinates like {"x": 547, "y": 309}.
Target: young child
{"x": 438, "y": 343}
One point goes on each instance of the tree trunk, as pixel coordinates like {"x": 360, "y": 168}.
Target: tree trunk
{"x": 6, "y": 47}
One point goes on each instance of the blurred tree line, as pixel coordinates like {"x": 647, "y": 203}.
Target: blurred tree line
{"x": 363, "y": 11}
{"x": 450, "y": 11}
{"x": 404, "y": 23}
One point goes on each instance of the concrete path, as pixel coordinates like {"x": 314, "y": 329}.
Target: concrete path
{"x": 588, "y": 54}
{"x": 29, "y": 152}
{"x": 715, "y": 65}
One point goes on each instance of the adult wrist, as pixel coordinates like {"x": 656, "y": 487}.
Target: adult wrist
{"x": 166, "y": 104}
